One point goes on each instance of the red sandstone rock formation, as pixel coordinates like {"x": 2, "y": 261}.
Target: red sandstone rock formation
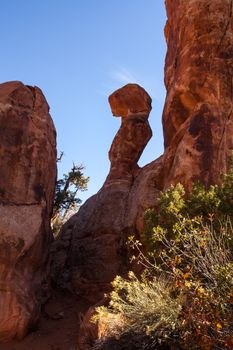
{"x": 198, "y": 129}
{"x": 27, "y": 181}
{"x": 197, "y": 117}
{"x": 97, "y": 245}
{"x": 134, "y": 105}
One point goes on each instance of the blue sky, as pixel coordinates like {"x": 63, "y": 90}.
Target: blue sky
{"x": 78, "y": 52}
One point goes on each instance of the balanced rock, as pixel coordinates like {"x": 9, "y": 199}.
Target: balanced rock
{"x": 27, "y": 182}
{"x": 131, "y": 99}
{"x": 91, "y": 249}
{"x": 134, "y": 105}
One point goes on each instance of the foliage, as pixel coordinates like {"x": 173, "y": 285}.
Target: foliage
{"x": 66, "y": 201}
{"x": 198, "y": 261}
{"x": 184, "y": 297}
{"x": 140, "y": 305}
{"x": 211, "y": 205}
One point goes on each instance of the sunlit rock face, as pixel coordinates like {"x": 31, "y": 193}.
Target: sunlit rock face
{"x": 27, "y": 182}
{"x": 133, "y": 104}
{"x": 197, "y": 118}
{"x": 198, "y": 137}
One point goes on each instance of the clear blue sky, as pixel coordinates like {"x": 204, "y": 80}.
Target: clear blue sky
{"x": 78, "y": 52}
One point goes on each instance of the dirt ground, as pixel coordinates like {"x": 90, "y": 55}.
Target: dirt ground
{"x": 57, "y": 328}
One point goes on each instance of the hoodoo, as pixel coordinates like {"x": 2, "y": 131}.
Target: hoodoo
{"x": 133, "y": 104}
{"x": 91, "y": 249}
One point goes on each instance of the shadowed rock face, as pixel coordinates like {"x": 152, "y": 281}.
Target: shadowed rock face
{"x": 27, "y": 182}
{"x": 198, "y": 129}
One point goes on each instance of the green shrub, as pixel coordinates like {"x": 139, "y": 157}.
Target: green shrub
{"x": 184, "y": 297}
{"x": 140, "y": 306}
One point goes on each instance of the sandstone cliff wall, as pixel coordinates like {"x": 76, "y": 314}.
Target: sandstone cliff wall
{"x": 197, "y": 117}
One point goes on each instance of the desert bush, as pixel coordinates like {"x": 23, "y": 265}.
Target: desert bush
{"x": 184, "y": 297}
{"x": 198, "y": 261}
{"x": 143, "y": 306}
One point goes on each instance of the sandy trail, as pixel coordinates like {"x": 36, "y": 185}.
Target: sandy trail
{"x": 59, "y": 330}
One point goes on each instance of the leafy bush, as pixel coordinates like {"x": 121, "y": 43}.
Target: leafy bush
{"x": 184, "y": 297}
{"x": 198, "y": 262}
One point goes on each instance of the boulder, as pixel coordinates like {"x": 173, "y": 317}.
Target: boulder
{"x": 27, "y": 183}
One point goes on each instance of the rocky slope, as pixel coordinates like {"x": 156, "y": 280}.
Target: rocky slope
{"x": 198, "y": 129}
{"x": 27, "y": 181}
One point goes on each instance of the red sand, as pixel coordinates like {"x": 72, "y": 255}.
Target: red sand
{"x": 52, "y": 333}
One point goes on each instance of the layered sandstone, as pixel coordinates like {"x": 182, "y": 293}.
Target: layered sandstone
{"x": 198, "y": 129}
{"x": 27, "y": 182}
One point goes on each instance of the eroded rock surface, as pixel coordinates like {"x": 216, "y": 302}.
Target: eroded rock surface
{"x": 134, "y": 105}
{"x": 27, "y": 182}
{"x": 198, "y": 129}
{"x": 95, "y": 237}
{"x": 197, "y": 118}
{"x": 198, "y": 112}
